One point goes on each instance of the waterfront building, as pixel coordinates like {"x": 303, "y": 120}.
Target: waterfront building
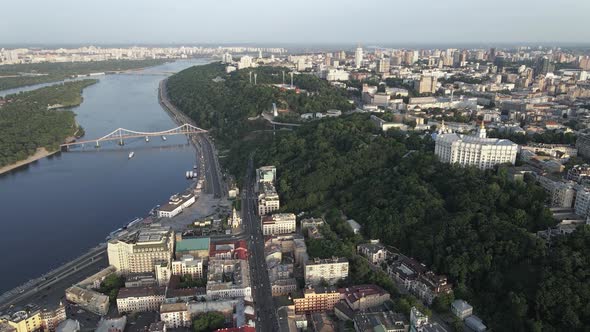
{"x": 329, "y": 270}
{"x": 88, "y": 299}
{"x": 140, "y": 299}
{"x": 176, "y": 204}
{"x": 188, "y": 265}
{"x": 175, "y": 315}
{"x": 28, "y": 320}
{"x": 316, "y": 299}
{"x": 478, "y": 151}
{"x": 278, "y": 223}
{"x": 51, "y": 317}
{"x": 140, "y": 251}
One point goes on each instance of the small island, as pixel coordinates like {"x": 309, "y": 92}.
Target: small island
{"x": 33, "y": 124}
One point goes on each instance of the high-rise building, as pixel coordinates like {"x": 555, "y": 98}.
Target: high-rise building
{"x": 383, "y": 65}
{"x": 358, "y": 57}
{"x": 478, "y": 150}
{"x": 543, "y": 66}
{"x": 140, "y": 251}
{"x": 426, "y": 84}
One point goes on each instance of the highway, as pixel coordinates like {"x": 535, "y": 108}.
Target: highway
{"x": 266, "y": 315}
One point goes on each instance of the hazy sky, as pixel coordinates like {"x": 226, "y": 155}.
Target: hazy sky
{"x": 295, "y": 21}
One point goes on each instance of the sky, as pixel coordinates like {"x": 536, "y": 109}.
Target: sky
{"x": 366, "y": 22}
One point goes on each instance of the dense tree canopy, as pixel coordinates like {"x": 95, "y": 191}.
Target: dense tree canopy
{"x": 28, "y": 120}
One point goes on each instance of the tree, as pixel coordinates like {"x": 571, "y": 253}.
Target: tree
{"x": 207, "y": 322}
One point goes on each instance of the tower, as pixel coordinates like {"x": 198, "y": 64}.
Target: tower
{"x": 358, "y": 57}
{"x": 481, "y": 133}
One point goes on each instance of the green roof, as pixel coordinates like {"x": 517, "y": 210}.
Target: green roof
{"x": 201, "y": 243}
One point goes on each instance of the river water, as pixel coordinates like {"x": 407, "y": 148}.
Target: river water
{"x": 55, "y": 209}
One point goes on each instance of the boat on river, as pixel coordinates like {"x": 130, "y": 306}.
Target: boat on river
{"x": 131, "y": 154}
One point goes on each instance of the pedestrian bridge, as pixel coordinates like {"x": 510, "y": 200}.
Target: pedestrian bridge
{"x": 121, "y": 134}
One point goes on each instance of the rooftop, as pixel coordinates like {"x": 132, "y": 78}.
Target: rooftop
{"x": 201, "y": 243}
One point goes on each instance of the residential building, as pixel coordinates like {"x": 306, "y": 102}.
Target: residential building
{"x": 308, "y": 222}
{"x": 478, "y": 151}
{"x": 268, "y": 199}
{"x": 582, "y": 203}
{"x": 374, "y": 251}
{"x": 426, "y": 84}
{"x": 228, "y": 278}
{"x": 278, "y": 223}
{"x": 88, "y": 299}
{"x": 112, "y": 324}
{"x": 583, "y": 144}
{"x": 140, "y": 251}
{"x": 27, "y": 320}
{"x": 475, "y": 324}
{"x": 363, "y": 297}
{"x": 175, "y": 315}
{"x": 380, "y": 321}
{"x": 316, "y": 299}
{"x": 383, "y": 65}
{"x": 266, "y": 174}
{"x": 461, "y": 309}
{"x": 329, "y": 270}
{"x": 358, "y": 57}
{"x": 140, "y": 299}
{"x": 51, "y": 317}
{"x": 188, "y": 265}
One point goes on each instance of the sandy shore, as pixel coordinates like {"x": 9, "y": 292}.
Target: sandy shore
{"x": 39, "y": 154}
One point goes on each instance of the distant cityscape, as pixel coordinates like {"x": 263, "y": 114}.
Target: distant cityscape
{"x": 522, "y": 111}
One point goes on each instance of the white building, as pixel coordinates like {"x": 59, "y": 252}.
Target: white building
{"x": 582, "y": 204}
{"x": 176, "y": 204}
{"x": 358, "y": 57}
{"x": 140, "y": 251}
{"x": 188, "y": 265}
{"x": 278, "y": 223}
{"x": 478, "y": 151}
{"x": 226, "y": 58}
{"x": 140, "y": 299}
{"x": 461, "y": 309}
{"x": 329, "y": 270}
{"x": 175, "y": 315}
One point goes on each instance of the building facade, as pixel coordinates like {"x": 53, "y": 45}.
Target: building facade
{"x": 278, "y": 223}
{"x": 478, "y": 151}
{"x": 329, "y": 270}
{"x": 140, "y": 299}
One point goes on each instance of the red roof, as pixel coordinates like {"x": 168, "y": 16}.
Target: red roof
{"x": 244, "y": 328}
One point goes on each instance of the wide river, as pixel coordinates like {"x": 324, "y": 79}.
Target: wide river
{"x": 55, "y": 209}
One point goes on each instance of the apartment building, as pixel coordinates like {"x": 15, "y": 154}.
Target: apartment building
{"x": 278, "y": 223}
{"x": 316, "y": 299}
{"x": 175, "y": 315}
{"x": 329, "y": 270}
{"x": 140, "y": 299}
{"x": 188, "y": 265}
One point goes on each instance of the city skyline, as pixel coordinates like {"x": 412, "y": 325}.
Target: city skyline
{"x": 182, "y": 22}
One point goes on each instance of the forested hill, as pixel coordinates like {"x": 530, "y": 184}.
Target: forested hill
{"x": 476, "y": 227}
{"x": 223, "y": 102}
{"x": 27, "y": 121}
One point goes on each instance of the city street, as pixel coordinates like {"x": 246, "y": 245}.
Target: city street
{"x": 266, "y": 317}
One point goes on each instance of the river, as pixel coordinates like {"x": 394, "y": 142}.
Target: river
{"x": 55, "y": 209}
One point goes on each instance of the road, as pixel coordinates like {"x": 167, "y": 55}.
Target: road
{"x": 266, "y": 315}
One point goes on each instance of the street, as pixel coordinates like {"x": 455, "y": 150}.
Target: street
{"x": 266, "y": 315}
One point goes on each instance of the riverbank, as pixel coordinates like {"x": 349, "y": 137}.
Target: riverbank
{"x": 39, "y": 154}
